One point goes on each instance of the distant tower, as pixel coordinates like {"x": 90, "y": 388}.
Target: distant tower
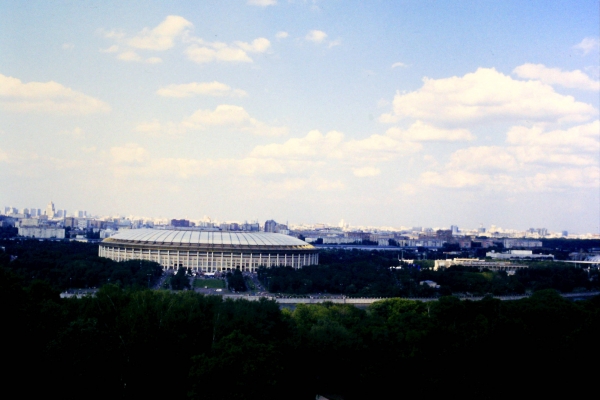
{"x": 270, "y": 226}
{"x": 50, "y": 210}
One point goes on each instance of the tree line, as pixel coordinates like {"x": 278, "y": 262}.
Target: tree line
{"x": 359, "y": 273}
{"x": 136, "y": 343}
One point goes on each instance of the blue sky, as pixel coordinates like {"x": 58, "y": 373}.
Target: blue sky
{"x": 382, "y": 113}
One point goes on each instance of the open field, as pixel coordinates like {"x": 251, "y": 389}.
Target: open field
{"x": 209, "y": 283}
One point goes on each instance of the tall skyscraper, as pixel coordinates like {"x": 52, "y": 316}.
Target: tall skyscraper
{"x": 50, "y": 211}
{"x": 270, "y": 226}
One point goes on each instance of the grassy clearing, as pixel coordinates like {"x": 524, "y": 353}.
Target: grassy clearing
{"x": 250, "y": 284}
{"x": 209, "y": 283}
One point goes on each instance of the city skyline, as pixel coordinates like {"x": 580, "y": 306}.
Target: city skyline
{"x": 270, "y": 225}
{"x": 408, "y": 113}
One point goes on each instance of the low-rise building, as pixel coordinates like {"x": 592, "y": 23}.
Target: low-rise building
{"x": 477, "y": 263}
{"x": 519, "y": 255}
{"x": 42, "y": 233}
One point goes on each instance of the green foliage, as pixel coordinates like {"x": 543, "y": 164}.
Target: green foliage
{"x": 235, "y": 281}
{"x": 181, "y": 280}
{"x": 75, "y": 265}
{"x": 126, "y": 343}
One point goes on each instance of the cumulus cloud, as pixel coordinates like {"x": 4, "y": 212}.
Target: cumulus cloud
{"x": 47, "y": 97}
{"x": 486, "y": 96}
{"x": 314, "y": 144}
{"x": 399, "y": 64}
{"x": 163, "y": 36}
{"x": 453, "y": 179}
{"x": 422, "y": 132}
{"x": 112, "y": 49}
{"x": 281, "y": 35}
{"x": 316, "y": 36}
{"x": 588, "y": 45}
{"x": 262, "y": 3}
{"x": 533, "y": 160}
{"x": 555, "y": 76}
{"x": 216, "y": 89}
{"x": 128, "y": 154}
{"x": 584, "y": 137}
{"x": 202, "y": 52}
{"x": 482, "y": 158}
{"x": 226, "y": 116}
{"x": 378, "y": 148}
{"x": 366, "y": 172}
{"x": 565, "y": 178}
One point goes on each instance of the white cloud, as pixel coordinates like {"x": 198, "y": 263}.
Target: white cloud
{"x": 281, "y": 35}
{"x": 129, "y": 56}
{"x": 227, "y": 116}
{"x": 68, "y": 46}
{"x": 153, "y": 60}
{"x": 128, "y": 154}
{"x": 162, "y": 37}
{"x": 565, "y": 178}
{"x": 422, "y": 132}
{"x": 486, "y": 96}
{"x": 262, "y": 3}
{"x": 453, "y": 179}
{"x": 378, "y": 148}
{"x": 588, "y": 45}
{"x": 584, "y": 137}
{"x": 214, "y": 88}
{"x": 76, "y": 133}
{"x": 112, "y": 49}
{"x": 202, "y": 52}
{"x": 48, "y": 97}
{"x": 366, "y": 172}
{"x": 316, "y": 36}
{"x": 555, "y": 76}
{"x": 399, "y": 64}
{"x": 316, "y": 146}
{"x": 259, "y": 45}
{"x": 533, "y": 160}
{"x": 313, "y": 145}
{"x": 334, "y": 43}
{"x": 202, "y": 55}
{"x": 482, "y": 158}
{"x": 314, "y": 183}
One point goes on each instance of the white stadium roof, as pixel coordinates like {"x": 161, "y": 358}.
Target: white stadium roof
{"x": 189, "y": 237}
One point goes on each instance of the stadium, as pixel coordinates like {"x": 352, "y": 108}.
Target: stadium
{"x": 204, "y": 251}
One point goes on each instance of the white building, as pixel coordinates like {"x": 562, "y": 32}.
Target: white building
{"x": 42, "y": 233}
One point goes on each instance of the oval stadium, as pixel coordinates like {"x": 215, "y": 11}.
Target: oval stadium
{"x": 205, "y": 251}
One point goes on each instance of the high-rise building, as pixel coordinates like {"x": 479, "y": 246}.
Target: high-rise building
{"x": 270, "y": 226}
{"x": 50, "y": 211}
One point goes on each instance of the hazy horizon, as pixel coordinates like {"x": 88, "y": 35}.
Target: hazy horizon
{"x": 380, "y": 113}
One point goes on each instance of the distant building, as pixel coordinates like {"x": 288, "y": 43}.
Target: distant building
{"x": 42, "y": 233}
{"x": 477, "y": 263}
{"x": 512, "y": 243}
{"x": 270, "y": 226}
{"x": 50, "y": 211}
{"x": 209, "y": 251}
{"x": 519, "y": 254}
{"x": 180, "y": 223}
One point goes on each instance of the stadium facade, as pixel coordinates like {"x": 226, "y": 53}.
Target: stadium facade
{"x": 205, "y": 251}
